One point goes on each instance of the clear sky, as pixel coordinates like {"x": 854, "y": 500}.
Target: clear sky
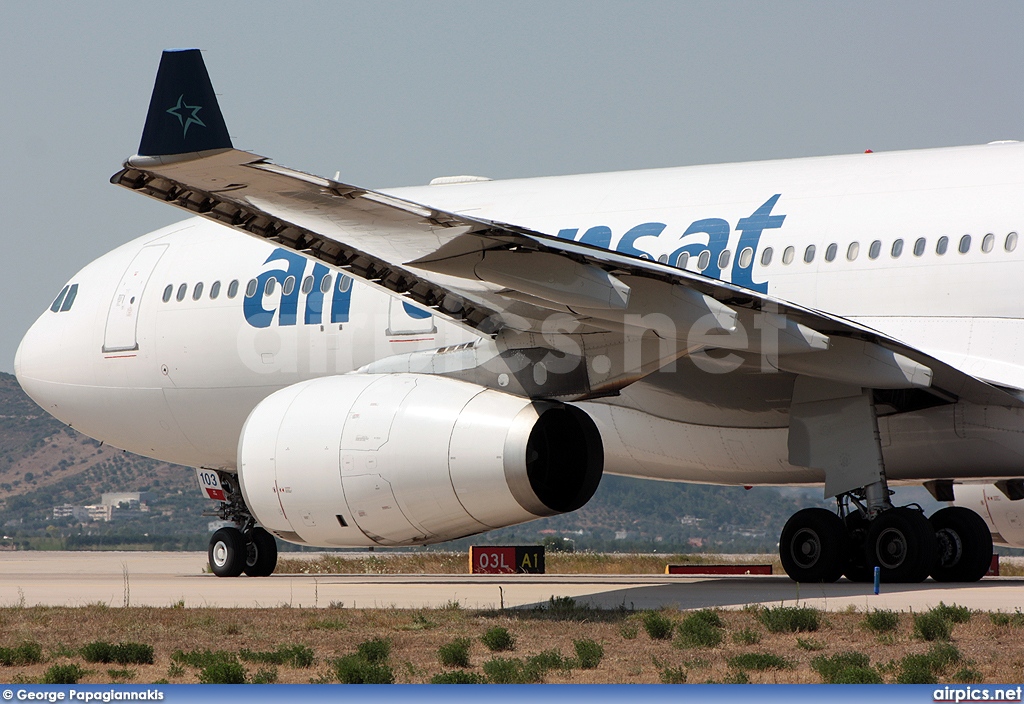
{"x": 397, "y": 93}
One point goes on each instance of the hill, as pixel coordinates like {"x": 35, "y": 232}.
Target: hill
{"x": 44, "y": 464}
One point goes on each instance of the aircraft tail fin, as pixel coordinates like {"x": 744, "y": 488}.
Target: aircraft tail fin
{"x": 184, "y": 116}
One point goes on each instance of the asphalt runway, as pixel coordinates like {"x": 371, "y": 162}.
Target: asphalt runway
{"x": 163, "y": 579}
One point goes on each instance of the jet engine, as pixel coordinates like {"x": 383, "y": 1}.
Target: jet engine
{"x": 1005, "y": 517}
{"x": 410, "y": 459}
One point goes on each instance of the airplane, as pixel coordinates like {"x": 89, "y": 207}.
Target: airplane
{"x": 400, "y": 367}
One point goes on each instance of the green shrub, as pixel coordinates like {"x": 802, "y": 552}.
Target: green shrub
{"x": 25, "y": 653}
{"x": 759, "y": 661}
{"x": 121, "y": 653}
{"x": 882, "y": 621}
{"x": 700, "y": 629}
{"x": 790, "y": 619}
{"x": 375, "y": 650}
{"x": 658, "y": 625}
{"x": 121, "y": 675}
{"x": 942, "y": 655}
{"x": 355, "y": 669}
{"x": 294, "y": 655}
{"x": 1014, "y": 620}
{"x": 916, "y": 669}
{"x": 672, "y": 675}
{"x": 454, "y": 654}
{"x": 809, "y": 644}
{"x": 846, "y": 668}
{"x": 967, "y": 675}
{"x": 202, "y": 658}
{"x": 549, "y": 660}
{"x": 747, "y": 636}
{"x": 588, "y": 653}
{"x": 67, "y": 673}
{"x": 738, "y": 677}
{"x": 952, "y": 613}
{"x": 223, "y": 672}
{"x": 498, "y": 639}
{"x": 511, "y": 671}
{"x": 265, "y": 675}
{"x": 458, "y": 677}
{"x": 931, "y": 626}
{"x": 629, "y": 630}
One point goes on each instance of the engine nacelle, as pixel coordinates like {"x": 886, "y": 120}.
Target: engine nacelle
{"x": 1005, "y": 518}
{"x": 410, "y": 459}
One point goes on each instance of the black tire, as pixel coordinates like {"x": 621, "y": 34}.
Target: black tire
{"x": 965, "y": 545}
{"x": 814, "y": 546}
{"x": 260, "y": 554}
{"x": 227, "y": 552}
{"x": 901, "y": 542}
{"x": 857, "y": 569}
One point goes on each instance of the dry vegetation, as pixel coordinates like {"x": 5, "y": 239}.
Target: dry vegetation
{"x": 722, "y": 646}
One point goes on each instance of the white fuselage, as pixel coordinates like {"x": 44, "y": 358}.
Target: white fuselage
{"x": 176, "y": 379}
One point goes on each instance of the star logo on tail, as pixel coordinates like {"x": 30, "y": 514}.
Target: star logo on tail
{"x": 187, "y": 115}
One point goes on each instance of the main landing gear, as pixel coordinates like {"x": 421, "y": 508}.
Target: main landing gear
{"x": 244, "y": 547}
{"x": 954, "y": 545}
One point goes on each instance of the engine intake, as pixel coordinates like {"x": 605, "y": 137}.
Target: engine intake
{"x": 409, "y": 459}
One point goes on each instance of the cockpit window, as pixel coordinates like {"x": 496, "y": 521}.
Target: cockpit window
{"x": 69, "y": 300}
{"x": 59, "y": 299}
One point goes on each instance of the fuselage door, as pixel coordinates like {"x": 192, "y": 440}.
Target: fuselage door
{"x": 123, "y": 316}
{"x": 407, "y": 319}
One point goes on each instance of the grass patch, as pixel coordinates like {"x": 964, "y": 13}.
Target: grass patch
{"x": 512, "y": 671}
{"x": 746, "y": 636}
{"x": 265, "y": 675}
{"x": 700, "y": 629}
{"x": 223, "y": 672}
{"x": 64, "y": 673}
{"x": 375, "y": 650}
{"x": 458, "y": 677}
{"x": 846, "y": 668}
{"x": 952, "y": 613}
{"x": 658, "y": 625}
{"x": 202, "y": 658}
{"x": 931, "y": 626}
{"x": 759, "y": 661}
{"x": 967, "y": 675}
{"x": 672, "y": 675}
{"x": 882, "y": 621}
{"x": 455, "y": 653}
{"x": 25, "y": 653}
{"x": 1014, "y": 620}
{"x": 293, "y": 655}
{"x": 790, "y": 619}
{"x": 120, "y": 653}
{"x": 498, "y": 639}
{"x": 924, "y": 668}
{"x": 588, "y": 653}
{"x": 809, "y": 644}
{"x": 354, "y": 669}
{"x": 121, "y": 675}
{"x": 629, "y": 630}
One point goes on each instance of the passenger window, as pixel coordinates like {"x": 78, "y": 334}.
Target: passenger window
{"x": 250, "y": 288}
{"x": 809, "y": 254}
{"x": 682, "y": 260}
{"x": 182, "y": 290}
{"x": 168, "y": 292}
{"x": 60, "y": 299}
{"x": 988, "y": 242}
{"x": 233, "y": 288}
{"x": 270, "y": 286}
{"x": 703, "y": 260}
{"x": 919, "y": 246}
{"x": 787, "y": 255}
{"x": 723, "y": 259}
{"x": 830, "y": 252}
{"x": 746, "y": 257}
{"x": 307, "y": 284}
{"x": 766, "y": 256}
{"x": 325, "y": 283}
{"x": 897, "y": 249}
{"x": 875, "y": 249}
{"x": 288, "y": 287}
{"x": 1011, "y": 242}
{"x": 69, "y": 300}
{"x": 663, "y": 259}
{"x": 941, "y": 245}
{"x": 965, "y": 244}
{"x": 197, "y": 292}
{"x": 344, "y": 283}
{"x": 852, "y": 251}
{"x": 214, "y": 290}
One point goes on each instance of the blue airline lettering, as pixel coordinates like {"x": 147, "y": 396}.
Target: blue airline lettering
{"x": 287, "y": 312}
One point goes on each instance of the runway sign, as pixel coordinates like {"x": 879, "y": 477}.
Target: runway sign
{"x": 528, "y": 559}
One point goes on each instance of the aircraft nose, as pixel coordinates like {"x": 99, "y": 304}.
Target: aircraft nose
{"x": 38, "y": 363}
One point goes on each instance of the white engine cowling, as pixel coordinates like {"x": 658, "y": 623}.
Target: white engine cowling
{"x": 1005, "y": 518}
{"x": 410, "y": 459}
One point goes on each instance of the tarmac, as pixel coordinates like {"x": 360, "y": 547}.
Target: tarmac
{"x": 165, "y": 579}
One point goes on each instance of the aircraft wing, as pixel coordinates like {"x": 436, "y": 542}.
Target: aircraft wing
{"x": 487, "y": 275}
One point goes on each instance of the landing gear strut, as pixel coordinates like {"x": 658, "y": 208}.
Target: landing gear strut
{"x": 244, "y": 547}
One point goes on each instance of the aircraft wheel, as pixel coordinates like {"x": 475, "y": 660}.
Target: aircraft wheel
{"x": 901, "y": 542}
{"x": 260, "y": 554}
{"x": 227, "y": 552}
{"x": 857, "y": 569}
{"x": 813, "y": 546}
{"x": 965, "y": 545}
